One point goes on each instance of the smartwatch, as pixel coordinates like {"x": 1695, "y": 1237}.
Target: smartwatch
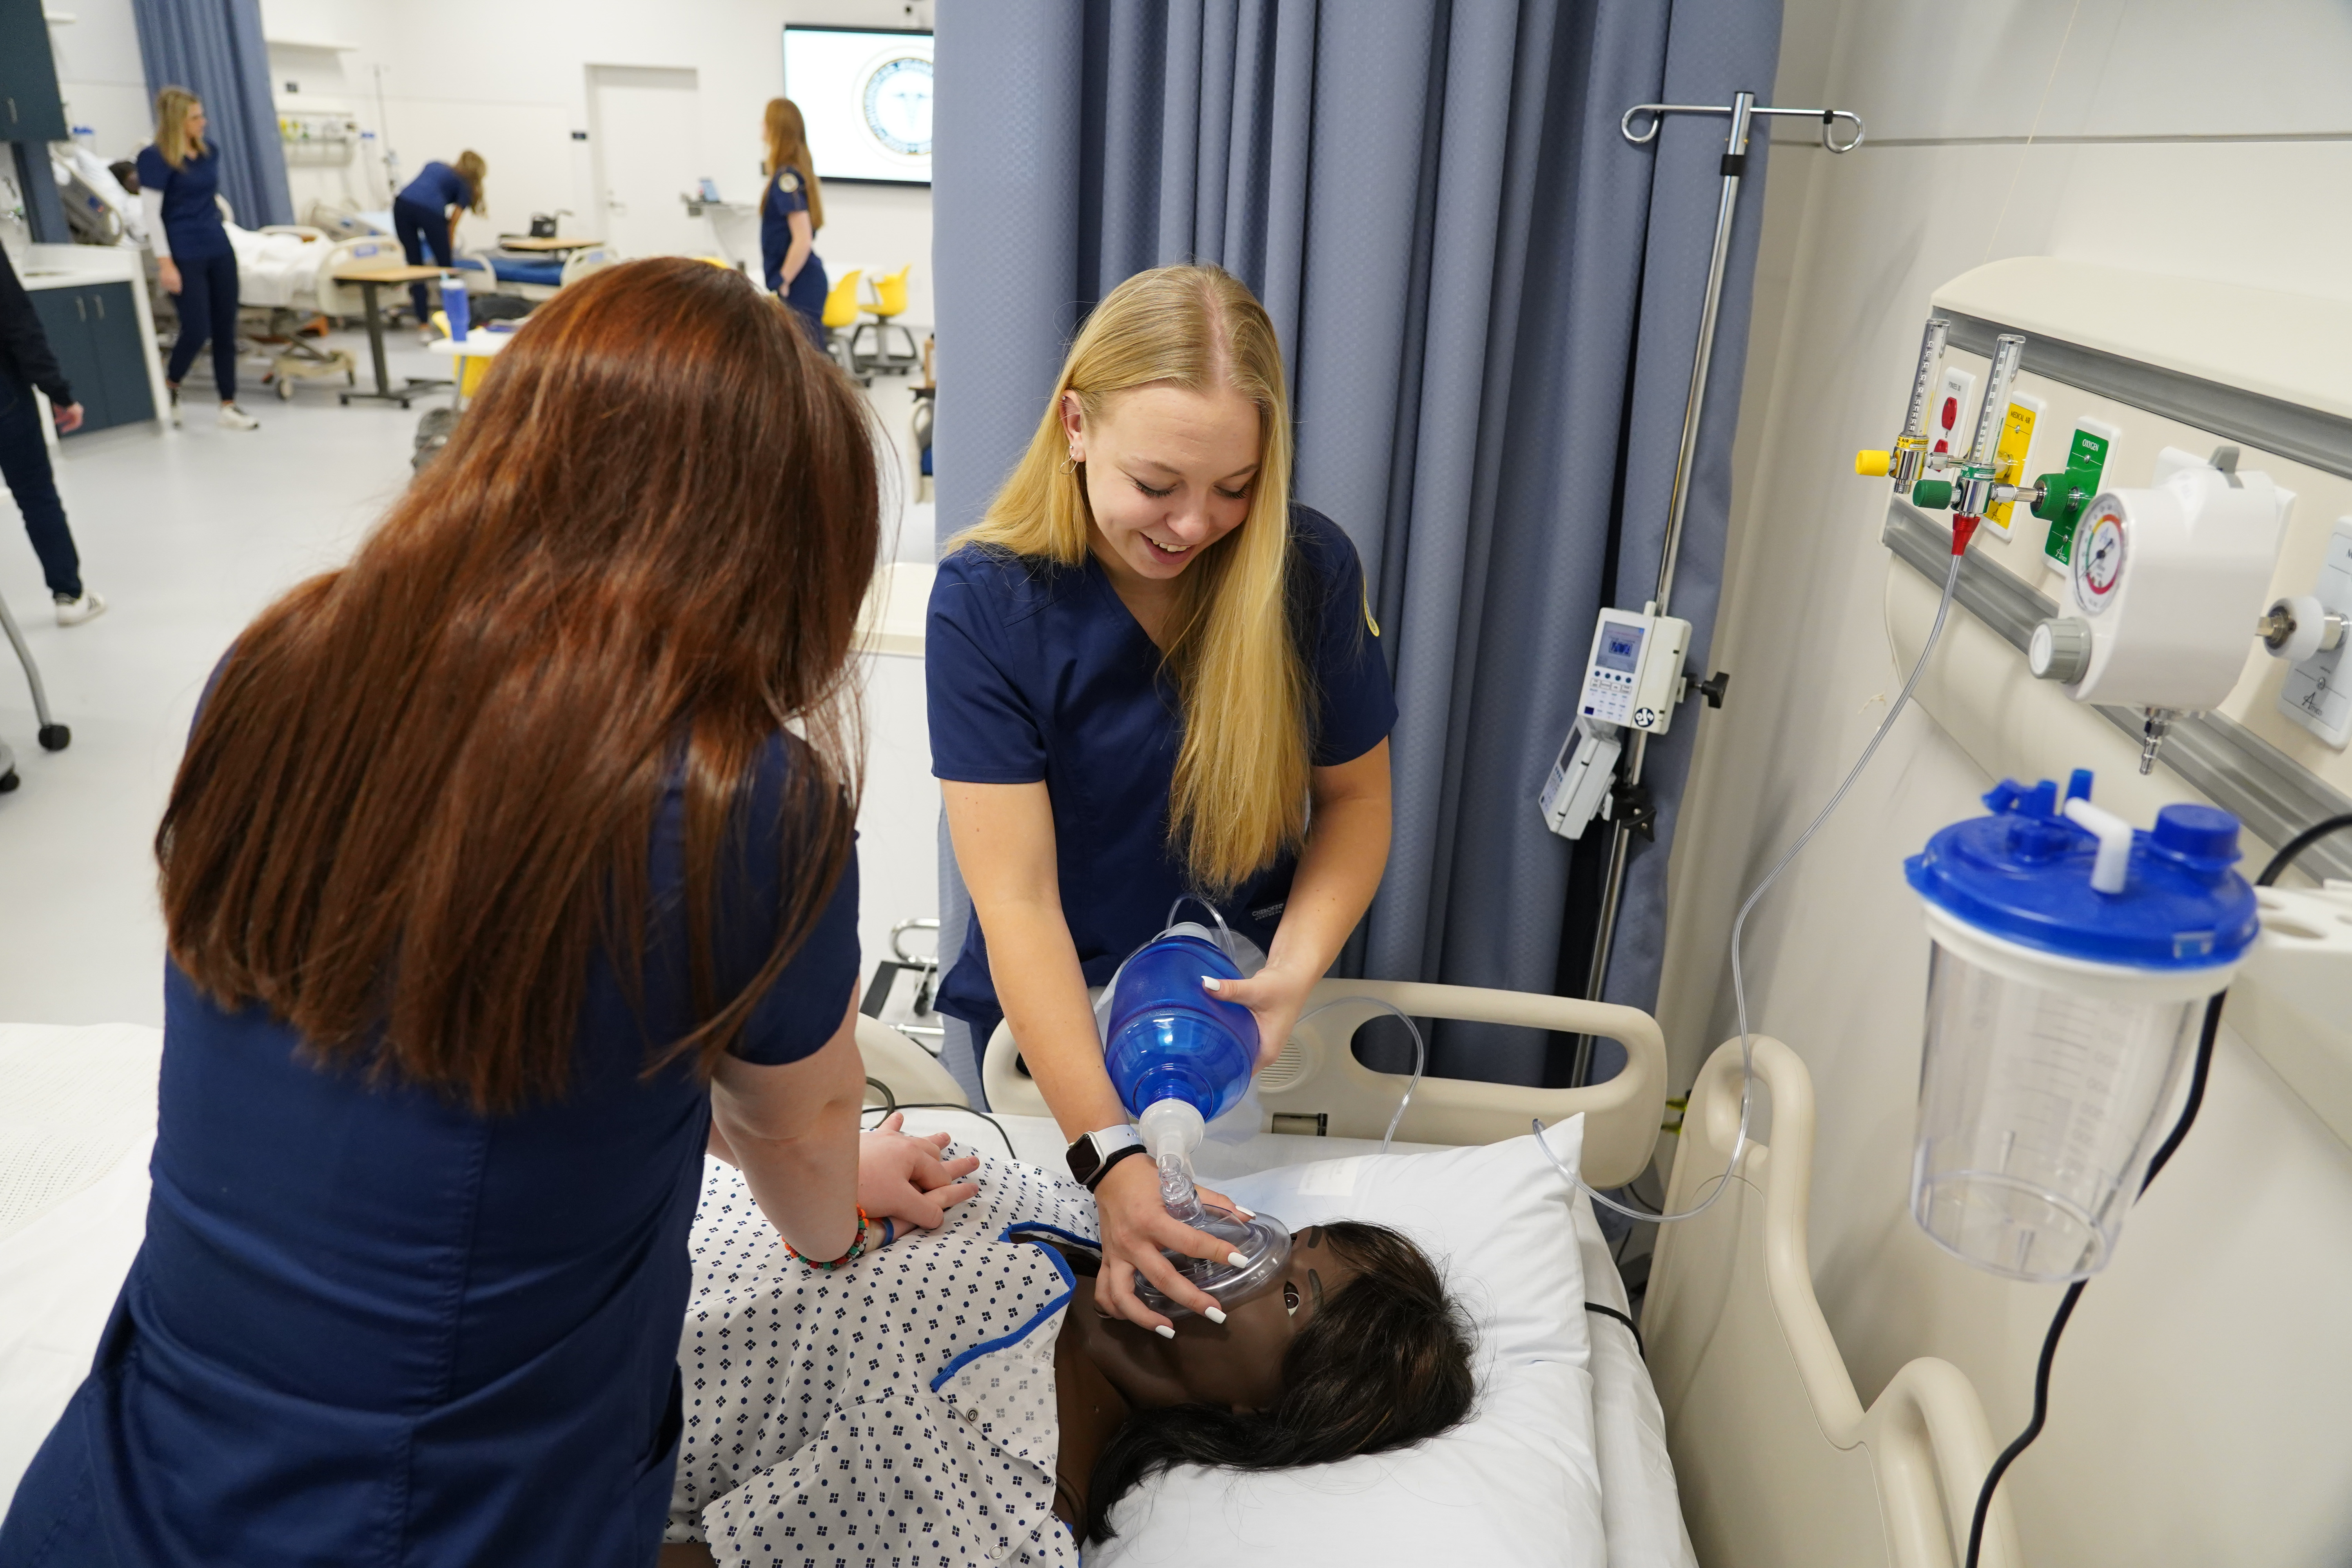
{"x": 1092, "y": 1156}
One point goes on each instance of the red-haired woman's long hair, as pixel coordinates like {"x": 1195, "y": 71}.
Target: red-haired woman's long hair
{"x": 421, "y": 796}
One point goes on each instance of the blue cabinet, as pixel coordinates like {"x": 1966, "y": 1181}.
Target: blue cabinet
{"x": 93, "y": 329}
{"x": 30, "y": 106}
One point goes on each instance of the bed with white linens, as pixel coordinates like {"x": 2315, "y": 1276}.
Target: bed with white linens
{"x": 1568, "y": 1458}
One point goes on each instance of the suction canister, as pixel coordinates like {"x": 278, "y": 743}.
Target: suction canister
{"x": 1179, "y": 1059}
{"x": 2072, "y": 957}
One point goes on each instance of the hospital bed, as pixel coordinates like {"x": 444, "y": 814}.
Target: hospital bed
{"x": 1742, "y": 1397}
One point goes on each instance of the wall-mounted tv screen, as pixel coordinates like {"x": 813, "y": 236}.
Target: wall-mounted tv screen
{"x": 866, "y": 94}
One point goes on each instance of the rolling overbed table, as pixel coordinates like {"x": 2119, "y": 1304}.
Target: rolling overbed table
{"x": 370, "y": 278}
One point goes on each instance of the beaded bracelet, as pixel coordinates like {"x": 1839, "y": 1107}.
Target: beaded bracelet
{"x": 856, "y": 1248}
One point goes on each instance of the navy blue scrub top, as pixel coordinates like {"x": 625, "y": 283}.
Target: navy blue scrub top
{"x": 192, "y": 223}
{"x": 370, "y": 1325}
{"x": 1038, "y": 671}
{"x": 438, "y": 187}
{"x": 784, "y": 198}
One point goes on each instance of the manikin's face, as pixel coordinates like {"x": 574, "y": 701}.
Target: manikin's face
{"x": 1237, "y": 1365}
{"x": 1168, "y": 473}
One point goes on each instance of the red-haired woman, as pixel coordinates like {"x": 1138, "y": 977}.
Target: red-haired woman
{"x": 509, "y": 868}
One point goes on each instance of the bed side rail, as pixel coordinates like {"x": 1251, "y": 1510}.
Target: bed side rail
{"x": 1317, "y": 1083}
{"x": 1777, "y": 1461}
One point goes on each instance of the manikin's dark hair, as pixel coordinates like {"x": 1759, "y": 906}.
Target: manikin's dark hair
{"x": 1384, "y": 1364}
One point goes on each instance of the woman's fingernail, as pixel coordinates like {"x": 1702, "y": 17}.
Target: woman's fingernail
{"x": 1237, "y": 1260}
{"x": 1245, "y": 1214}
{"x": 1164, "y": 1332}
{"x": 1211, "y": 983}
{"x": 1216, "y": 1315}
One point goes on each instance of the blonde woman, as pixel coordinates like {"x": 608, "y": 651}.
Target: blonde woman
{"x": 179, "y": 184}
{"x": 792, "y": 209}
{"x": 425, "y": 214}
{"x": 1151, "y": 674}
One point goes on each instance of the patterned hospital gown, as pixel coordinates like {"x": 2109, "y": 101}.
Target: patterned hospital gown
{"x": 894, "y": 1414}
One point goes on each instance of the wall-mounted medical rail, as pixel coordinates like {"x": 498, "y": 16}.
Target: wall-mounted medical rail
{"x": 2275, "y": 796}
{"x": 2273, "y": 425}
{"x": 1742, "y": 111}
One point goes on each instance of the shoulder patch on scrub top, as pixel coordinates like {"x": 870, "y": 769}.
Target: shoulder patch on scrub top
{"x": 789, "y": 182}
{"x": 1366, "y": 590}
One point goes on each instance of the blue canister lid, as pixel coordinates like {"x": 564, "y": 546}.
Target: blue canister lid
{"x": 2023, "y": 873}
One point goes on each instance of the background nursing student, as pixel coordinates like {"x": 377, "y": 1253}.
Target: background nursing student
{"x": 179, "y": 190}
{"x": 1152, "y": 675}
{"x": 425, "y": 216}
{"x": 508, "y": 869}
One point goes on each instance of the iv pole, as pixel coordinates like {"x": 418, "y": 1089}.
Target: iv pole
{"x": 1742, "y": 110}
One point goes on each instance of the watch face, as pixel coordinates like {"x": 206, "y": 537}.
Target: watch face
{"x": 898, "y": 102}
{"x": 2098, "y": 559}
{"x": 1084, "y": 1158}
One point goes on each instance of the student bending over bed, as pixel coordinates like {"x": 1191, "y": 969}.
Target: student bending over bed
{"x": 950, "y": 1397}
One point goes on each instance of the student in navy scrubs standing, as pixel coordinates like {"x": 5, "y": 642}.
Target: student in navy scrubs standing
{"x": 792, "y": 209}
{"x": 425, "y": 216}
{"x": 179, "y": 178}
{"x": 1152, "y": 674}
{"x": 508, "y": 869}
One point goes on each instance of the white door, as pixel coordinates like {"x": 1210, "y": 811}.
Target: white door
{"x": 643, "y": 129}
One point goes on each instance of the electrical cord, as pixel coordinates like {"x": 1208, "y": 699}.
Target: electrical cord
{"x": 939, "y": 1105}
{"x": 1719, "y": 1185}
{"x": 2196, "y": 1081}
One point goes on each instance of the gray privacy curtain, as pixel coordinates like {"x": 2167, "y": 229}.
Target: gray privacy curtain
{"x": 1490, "y": 301}
{"x": 215, "y": 49}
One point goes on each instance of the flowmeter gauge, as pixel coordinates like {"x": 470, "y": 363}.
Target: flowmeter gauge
{"x": 2099, "y": 558}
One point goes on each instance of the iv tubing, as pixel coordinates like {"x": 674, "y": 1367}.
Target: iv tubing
{"x": 1420, "y": 1055}
{"x": 1739, "y": 979}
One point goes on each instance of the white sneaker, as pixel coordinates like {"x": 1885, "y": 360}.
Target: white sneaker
{"x": 232, "y": 417}
{"x": 73, "y": 612}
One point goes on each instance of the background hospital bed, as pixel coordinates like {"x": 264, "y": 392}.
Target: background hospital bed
{"x": 1778, "y": 1462}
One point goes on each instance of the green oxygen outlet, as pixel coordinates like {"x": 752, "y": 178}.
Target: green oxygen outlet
{"x": 2066, "y": 495}
{"x": 1932, "y": 495}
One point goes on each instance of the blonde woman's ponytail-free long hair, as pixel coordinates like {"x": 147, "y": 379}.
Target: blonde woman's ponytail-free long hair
{"x": 172, "y": 138}
{"x": 1239, "y": 799}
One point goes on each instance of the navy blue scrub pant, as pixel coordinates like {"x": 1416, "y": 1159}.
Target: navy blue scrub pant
{"x": 25, "y": 464}
{"x": 422, "y": 229}
{"x": 207, "y": 303}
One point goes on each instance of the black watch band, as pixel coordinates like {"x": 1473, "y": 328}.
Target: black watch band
{"x": 1094, "y": 1182}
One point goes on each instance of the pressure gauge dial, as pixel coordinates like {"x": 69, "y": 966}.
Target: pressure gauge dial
{"x": 2098, "y": 559}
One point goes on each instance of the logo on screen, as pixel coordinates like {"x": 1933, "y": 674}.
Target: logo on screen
{"x": 898, "y": 102}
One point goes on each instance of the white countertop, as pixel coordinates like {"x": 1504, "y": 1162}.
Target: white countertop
{"x": 67, "y": 265}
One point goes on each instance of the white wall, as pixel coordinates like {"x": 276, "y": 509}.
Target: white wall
{"x": 100, "y": 74}
{"x": 2162, "y": 135}
{"x": 509, "y": 78}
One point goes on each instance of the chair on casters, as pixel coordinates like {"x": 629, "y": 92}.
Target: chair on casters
{"x": 889, "y": 304}
{"x": 54, "y": 736}
{"x": 840, "y": 311}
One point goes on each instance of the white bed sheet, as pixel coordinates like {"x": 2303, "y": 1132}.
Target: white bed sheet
{"x": 63, "y": 1258}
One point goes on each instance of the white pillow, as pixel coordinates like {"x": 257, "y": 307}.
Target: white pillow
{"x": 1517, "y": 1482}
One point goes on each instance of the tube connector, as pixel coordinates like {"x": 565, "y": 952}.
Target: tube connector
{"x": 2114, "y": 836}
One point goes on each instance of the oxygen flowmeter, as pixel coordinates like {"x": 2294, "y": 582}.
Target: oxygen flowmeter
{"x": 2072, "y": 955}
{"x": 1991, "y": 473}
{"x": 1634, "y": 679}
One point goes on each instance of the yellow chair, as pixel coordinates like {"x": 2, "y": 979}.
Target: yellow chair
{"x": 889, "y": 303}
{"x": 840, "y": 311}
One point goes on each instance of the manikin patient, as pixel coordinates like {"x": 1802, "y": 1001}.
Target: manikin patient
{"x": 950, "y": 1397}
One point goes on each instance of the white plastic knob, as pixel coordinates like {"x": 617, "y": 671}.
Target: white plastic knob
{"x": 2060, "y": 650}
{"x": 2310, "y": 617}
